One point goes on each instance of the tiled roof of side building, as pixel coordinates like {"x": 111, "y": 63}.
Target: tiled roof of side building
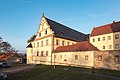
{"x": 66, "y": 32}
{"x": 105, "y": 29}
{"x": 80, "y": 46}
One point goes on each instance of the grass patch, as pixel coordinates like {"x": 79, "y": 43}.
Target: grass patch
{"x": 44, "y": 72}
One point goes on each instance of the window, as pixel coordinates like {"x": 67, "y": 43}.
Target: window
{"x": 98, "y": 39}
{"x": 116, "y": 58}
{"x": 103, "y": 38}
{"x": 86, "y": 57}
{"x": 47, "y": 42}
{"x": 99, "y": 57}
{"x": 116, "y": 46}
{"x": 93, "y": 40}
{"x": 39, "y": 34}
{"x": 103, "y": 47}
{"x": 41, "y": 43}
{"x": 117, "y": 36}
{"x": 46, "y": 32}
{"x": 41, "y": 53}
{"x": 57, "y": 42}
{"x": 109, "y": 37}
{"x": 37, "y": 53}
{"x": 63, "y": 43}
{"x": 55, "y": 56}
{"x": 61, "y": 33}
{"x": 76, "y": 57}
{"x": 37, "y": 44}
{"x": 110, "y": 46}
{"x": 46, "y": 53}
{"x": 60, "y": 56}
{"x": 68, "y": 43}
{"x": 34, "y": 44}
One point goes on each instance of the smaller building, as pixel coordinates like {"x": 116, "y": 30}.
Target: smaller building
{"x": 79, "y": 54}
{"x": 106, "y": 37}
{"x": 84, "y": 54}
{"x": 11, "y": 57}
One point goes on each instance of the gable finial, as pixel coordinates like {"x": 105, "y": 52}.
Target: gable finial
{"x": 43, "y": 14}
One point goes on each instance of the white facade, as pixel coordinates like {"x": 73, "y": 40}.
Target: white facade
{"x": 81, "y": 58}
{"x": 44, "y": 45}
{"x": 106, "y": 41}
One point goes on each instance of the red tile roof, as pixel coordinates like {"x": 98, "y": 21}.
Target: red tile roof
{"x": 6, "y": 56}
{"x": 80, "y": 46}
{"x": 105, "y": 29}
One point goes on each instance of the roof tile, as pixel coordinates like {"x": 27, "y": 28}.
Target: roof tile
{"x": 80, "y": 46}
{"x": 105, "y": 29}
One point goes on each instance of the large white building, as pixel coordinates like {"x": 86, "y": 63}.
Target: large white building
{"x": 49, "y": 36}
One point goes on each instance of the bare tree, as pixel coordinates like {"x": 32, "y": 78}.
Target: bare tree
{"x": 6, "y": 47}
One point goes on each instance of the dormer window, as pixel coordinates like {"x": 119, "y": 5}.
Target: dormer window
{"x": 61, "y": 33}
{"x": 66, "y": 30}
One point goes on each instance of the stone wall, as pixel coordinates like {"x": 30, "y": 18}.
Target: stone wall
{"x": 107, "y": 59}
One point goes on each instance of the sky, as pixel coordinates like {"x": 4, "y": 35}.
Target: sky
{"x": 20, "y": 19}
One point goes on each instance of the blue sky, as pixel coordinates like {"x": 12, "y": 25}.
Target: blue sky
{"x": 19, "y": 19}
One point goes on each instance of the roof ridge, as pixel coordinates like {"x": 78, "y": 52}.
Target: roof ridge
{"x": 103, "y": 25}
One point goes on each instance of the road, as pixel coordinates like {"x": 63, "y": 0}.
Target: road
{"x": 16, "y": 69}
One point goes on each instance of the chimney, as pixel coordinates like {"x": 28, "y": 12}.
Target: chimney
{"x": 113, "y": 22}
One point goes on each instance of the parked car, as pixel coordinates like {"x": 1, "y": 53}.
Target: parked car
{"x": 3, "y": 76}
{"x": 4, "y": 65}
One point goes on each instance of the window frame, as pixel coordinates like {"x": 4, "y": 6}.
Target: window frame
{"x": 116, "y": 36}
{"x": 110, "y": 46}
{"x": 37, "y": 53}
{"x": 109, "y": 37}
{"x": 103, "y": 38}
{"x": 60, "y": 56}
{"x": 37, "y": 44}
{"x": 103, "y": 47}
{"x": 42, "y": 53}
{"x": 117, "y": 58}
{"x": 41, "y": 43}
{"x": 86, "y": 57}
{"x": 94, "y": 40}
{"x": 46, "y": 32}
{"x": 99, "y": 57}
{"x": 98, "y": 39}
{"x": 46, "y": 53}
{"x": 47, "y": 41}
{"x": 76, "y": 57}
{"x": 57, "y": 42}
{"x": 63, "y": 43}
{"x": 39, "y": 34}
{"x": 116, "y": 46}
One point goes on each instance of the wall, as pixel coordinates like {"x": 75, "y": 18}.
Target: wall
{"x": 68, "y": 58}
{"x": 108, "y": 59}
{"x": 116, "y": 41}
{"x": 101, "y": 43}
